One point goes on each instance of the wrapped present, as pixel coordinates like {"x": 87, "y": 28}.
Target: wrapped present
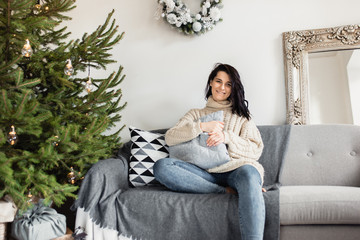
{"x": 40, "y": 222}
{"x": 7, "y": 209}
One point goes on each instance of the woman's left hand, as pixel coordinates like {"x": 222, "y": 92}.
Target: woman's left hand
{"x": 215, "y": 138}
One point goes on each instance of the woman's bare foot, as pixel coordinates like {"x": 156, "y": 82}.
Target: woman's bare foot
{"x": 230, "y": 190}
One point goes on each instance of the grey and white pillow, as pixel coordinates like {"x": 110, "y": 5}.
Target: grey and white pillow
{"x": 197, "y": 152}
{"x": 146, "y": 148}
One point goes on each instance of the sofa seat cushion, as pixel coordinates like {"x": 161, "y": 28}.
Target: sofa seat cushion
{"x": 319, "y": 205}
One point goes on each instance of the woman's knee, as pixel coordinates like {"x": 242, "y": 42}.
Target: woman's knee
{"x": 247, "y": 173}
{"x": 161, "y": 165}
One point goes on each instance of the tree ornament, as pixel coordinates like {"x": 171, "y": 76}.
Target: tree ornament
{"x": 12, "y": 137}
{"x": 27, "y": 51}
{"x": 37, "y": 9}
{"x": 29, "y": 196}
{"x": 69, "y": 70}
{"x": 89, "y": 86}
{"x": 71, "y": 176}
{"x": 56, "y": 141}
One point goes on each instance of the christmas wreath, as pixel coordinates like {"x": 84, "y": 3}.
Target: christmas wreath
{"x": 178, "y": 15}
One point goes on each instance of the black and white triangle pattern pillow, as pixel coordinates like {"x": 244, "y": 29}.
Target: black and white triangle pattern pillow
{"x": 146, "y": 149}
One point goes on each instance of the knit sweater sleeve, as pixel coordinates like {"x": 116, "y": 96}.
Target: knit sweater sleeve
{"x": 185, "y": 130}
{"x": 248, "y": 145}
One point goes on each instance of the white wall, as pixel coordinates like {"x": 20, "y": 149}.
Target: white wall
{"x": 167, "y": 71}
{"x": 329, "y": 97}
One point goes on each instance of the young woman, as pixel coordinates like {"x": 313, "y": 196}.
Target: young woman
{"x": 224, "y": 91}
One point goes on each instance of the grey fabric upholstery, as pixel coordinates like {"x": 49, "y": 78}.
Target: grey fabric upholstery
{"x": 320, "y": 232}
{"x": 320, "y": 193}
{"x": 323, "y": 155}
{"x": 319, "y": 205}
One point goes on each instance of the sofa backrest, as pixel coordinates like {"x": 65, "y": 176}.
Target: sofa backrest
{"x": 322, "y": 155}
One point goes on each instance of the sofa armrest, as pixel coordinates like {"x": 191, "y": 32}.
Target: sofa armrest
{"x": 103, "y": 179}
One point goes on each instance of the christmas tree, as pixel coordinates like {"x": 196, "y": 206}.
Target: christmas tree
{"x": 52, "y": 122}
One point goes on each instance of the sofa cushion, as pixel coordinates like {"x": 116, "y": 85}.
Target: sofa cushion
{"x": 146, "y": 148}
{"x": 319, "y": 205}
{"x": 196, "y": 150}
{"x": 320, "y": 232}
{"x": 323, "y": 155}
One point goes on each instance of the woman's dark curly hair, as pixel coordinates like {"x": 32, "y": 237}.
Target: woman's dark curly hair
{"x": 237, "y": 96}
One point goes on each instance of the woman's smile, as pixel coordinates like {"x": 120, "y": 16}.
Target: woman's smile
{"x": 221, "y": 86}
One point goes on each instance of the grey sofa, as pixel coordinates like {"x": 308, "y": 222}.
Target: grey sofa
{"x": 320, "y": 192}
{"x": 319, "y": 196}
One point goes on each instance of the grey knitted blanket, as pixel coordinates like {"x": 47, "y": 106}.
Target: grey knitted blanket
{"x": 276, "y": 139}
{"x": 155, "y": 213}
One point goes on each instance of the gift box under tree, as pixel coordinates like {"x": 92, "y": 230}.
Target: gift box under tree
{"x": 40, "y": 222}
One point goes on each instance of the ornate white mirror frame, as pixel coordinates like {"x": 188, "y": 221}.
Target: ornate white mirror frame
{"x": 297, "y": 45}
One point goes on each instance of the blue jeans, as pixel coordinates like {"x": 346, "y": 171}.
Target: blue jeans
{"x": 181, "y": 176}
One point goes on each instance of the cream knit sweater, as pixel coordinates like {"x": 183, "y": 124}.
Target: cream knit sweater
{"x": 242, "y": 137}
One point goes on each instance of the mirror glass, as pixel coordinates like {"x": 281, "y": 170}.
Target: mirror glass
{"x": 334, "y": 81}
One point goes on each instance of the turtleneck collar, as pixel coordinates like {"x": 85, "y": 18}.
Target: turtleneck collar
{"x": 211, "y": 103}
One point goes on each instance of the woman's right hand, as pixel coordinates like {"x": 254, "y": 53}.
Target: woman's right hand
{"x": 211, "y": 127}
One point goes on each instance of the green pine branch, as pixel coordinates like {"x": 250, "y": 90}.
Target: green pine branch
{"x": 58, "y": 124}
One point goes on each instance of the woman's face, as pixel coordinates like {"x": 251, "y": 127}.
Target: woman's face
{"x": 221, "y": 86}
